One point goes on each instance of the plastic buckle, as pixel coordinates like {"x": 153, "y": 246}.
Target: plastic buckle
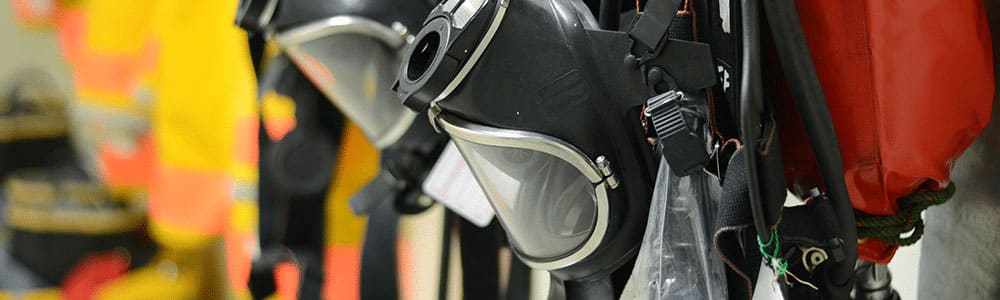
{"x": 681, "y": 143}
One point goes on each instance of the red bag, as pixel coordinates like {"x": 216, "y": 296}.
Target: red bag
{"x": 909, "y": 84}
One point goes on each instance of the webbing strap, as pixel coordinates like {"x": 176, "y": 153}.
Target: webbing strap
{"x": 519, "y": 280}
{"x": 653, "y": 23}
{"x": 480, "y": 263}
{"x": 378, "y": 257}
{"x": 890, "y": 228}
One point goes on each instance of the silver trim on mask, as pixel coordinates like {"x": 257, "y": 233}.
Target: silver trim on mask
{"x": 268, "y": 12}
{"x": 341, "y": 24}
{"x": 479, "y": 134}
{"x": 471, "y": 62}
{"x": 347, "y": 24}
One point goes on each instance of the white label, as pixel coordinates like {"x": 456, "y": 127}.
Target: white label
{"x": 767, "y": 284}
{"x": 451, "y": 182}
{"x": 724, "y": 15}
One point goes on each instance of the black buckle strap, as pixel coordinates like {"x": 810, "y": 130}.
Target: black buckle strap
{"x": 668, "y": 61}
{"x": 676, "y": 125}
{"x": 651, "y": 27}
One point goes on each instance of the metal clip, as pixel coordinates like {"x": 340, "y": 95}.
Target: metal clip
{"x": 605, "y": 167}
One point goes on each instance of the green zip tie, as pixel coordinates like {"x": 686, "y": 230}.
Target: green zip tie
{"x": 774, "y": 260}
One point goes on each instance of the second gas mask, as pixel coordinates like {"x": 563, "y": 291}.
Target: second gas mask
{"x": 349, "y": 50}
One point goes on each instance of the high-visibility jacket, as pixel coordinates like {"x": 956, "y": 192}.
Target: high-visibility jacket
{"x": 166, "y": 99}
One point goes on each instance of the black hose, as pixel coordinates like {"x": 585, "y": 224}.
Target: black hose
{"x": 587, "y": 290}
{"x": 610, "y": 12}
{"x": 751, "y": 104}
{"x": 807, "y": 92}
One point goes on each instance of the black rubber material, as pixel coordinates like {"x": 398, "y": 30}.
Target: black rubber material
{"x": 519, "y": 281}
{"x": 480, "y": 263}
{"x": 610, "y": 13}
{"x": 598, "y": 289}
{"x": 449, "y": 219}
{"x": 751, "y": 104}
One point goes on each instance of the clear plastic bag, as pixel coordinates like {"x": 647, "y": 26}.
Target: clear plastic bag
{"x": 677, "y": 259}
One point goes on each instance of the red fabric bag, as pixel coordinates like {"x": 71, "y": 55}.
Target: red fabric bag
{"x": 909, "y": 84}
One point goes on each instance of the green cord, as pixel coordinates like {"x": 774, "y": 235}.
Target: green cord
{"x": 890, "y": 228}
{"x": 782, "y": 266}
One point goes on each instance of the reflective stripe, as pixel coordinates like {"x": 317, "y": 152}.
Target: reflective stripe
{"x": 127, "y": 170}
{"x": 31, "y": 127}
{"x": 124, "y": 112}
{"x": 286, "y": 281}
{"x": 84, "y": 221}
{"x": 342, "y": 279}
{"x": 36, "y": 189}
{"x": 190, "y": 200}
{"x": 38, "y": 294}
{"x": 245, "y": 192}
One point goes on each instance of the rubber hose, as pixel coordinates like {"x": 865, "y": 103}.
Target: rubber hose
{"x": 610, "y": 13}
{"x": 586, "y": 290}
{"x": 751, "y": 101}
{"x": 807, "y": 92}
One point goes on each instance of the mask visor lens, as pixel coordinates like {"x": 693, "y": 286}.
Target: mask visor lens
{"x": 356, "y": 73}
{"x": 547, "y": 206}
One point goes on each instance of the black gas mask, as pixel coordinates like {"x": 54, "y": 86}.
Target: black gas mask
{"x": 545, "y": 108}
{"x": 350, "y": 51}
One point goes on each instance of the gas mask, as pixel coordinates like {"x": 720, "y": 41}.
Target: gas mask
{"x": 546, "y": 112}
{"x": 350, "y": 51}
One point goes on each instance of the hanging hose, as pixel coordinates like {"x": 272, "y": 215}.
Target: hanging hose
{"x": 610, "y": 12}
{"x": 805, "y": 88}
{"x": 751, "y": 103}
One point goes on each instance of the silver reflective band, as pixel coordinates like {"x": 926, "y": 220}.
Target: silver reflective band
{"x": 338, "y": 25}
{"x": 483, "y": 43}
{"x": 268, "y": 12}
{"x": 479, "y": 134}
{"x": 464, "y": 13}
{"x": 489, "y": 136}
